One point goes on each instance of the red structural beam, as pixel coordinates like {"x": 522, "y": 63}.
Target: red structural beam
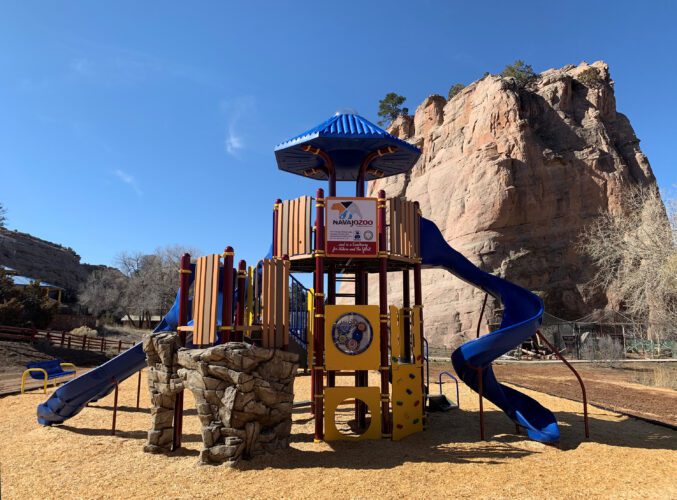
{"x": 183, "y": 321}
{"x": 318, "y": 331}
{"x": 383, "y": 313}
{"x": 241, "y": 299}
{"x": 227, "y": 295}
{"x": 276, "y": 216}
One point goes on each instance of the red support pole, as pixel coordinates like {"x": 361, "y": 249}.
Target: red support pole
{"x": 480, "y": 384}
{"x": 406, "y": 330}
{"x": 418, "y": 301}
{"x": 183, "y": 321}
{"x": 227, "y": 295}
{"x": 318, "y": 331}
{"x": 580, "y": 380}
{"x": 383, "y": 310}
{"x": 138, "y": 391}
{"x": 184, "y": 287}
{"x": 115, "y": 407}
{"x": 276, "y": 216}
{"x": 331, "y": 299}
{"x": 241, "y": 300}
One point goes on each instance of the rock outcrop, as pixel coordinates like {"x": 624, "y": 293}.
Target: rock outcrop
{"x": 512, "y": 177}
{"x": 43, "y": 260}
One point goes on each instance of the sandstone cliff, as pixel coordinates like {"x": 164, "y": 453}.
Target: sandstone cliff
{"x": 44, "y": 260}
{"x": 511, "y": 177}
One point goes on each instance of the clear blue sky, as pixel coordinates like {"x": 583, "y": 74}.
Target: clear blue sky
{"x": 132, "y": 125}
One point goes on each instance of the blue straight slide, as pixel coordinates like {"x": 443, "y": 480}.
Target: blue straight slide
{"x": 69, "y": 399}
{"x": 522, "y": 313}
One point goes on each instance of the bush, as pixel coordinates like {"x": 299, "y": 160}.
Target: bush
{"x": 455, "y": 89}
{"x": 610, "y": 351}
{"x": 11, "y": 313}
{"x": 520, "y": 72}
{"x": 590, "y": 78}
{"x": 38, "y": 309}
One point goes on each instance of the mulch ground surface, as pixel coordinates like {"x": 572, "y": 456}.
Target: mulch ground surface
{"x": 624, "y": 457}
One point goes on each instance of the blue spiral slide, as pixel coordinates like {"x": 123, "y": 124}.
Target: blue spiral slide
{"x": 522, "y": 313}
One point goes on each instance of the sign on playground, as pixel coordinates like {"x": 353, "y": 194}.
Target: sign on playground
{"x": 351, "y": 227}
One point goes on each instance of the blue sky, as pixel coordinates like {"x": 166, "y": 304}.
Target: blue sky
{"x": 133, "y": 125}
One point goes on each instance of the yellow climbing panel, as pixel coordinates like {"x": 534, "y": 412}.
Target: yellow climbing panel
{"x": 407, "y": 400}
{"x": 334, "y": 396}
{"x": 396, "y": 329}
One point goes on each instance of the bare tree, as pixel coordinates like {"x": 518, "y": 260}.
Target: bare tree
{"x": 635, "y": 253}
{"x": 152, "y": 280}
{"x": 103, "y": 291}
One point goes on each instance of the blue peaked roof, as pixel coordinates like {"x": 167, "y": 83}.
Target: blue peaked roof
{"x": 347, "y": 138}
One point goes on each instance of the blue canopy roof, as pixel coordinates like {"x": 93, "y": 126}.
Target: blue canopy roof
{"x": 347, "y": 138}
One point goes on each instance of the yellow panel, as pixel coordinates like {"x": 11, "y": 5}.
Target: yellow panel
{"x": 395, "y": 334}
{"x": 353, "y": 325}
{"x": 334, "y": 396}
{"x": 417, "y": 335}
{"x": 311, "y": 327}
{"x": 407, "y": 400}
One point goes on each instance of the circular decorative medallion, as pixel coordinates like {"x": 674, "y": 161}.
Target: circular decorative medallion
{"x": 352, "y": 333}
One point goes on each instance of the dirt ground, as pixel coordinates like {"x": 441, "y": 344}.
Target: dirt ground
{"x": 624, "y": 458}
{"x": 15, "y": 355}
{"x": 615, "y": 388}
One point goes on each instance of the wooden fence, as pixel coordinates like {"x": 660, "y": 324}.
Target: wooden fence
{"x": 64, "y": 339}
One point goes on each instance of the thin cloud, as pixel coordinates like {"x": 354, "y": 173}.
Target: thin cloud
{"x": 129, "y": 180}
{"x": 234, "y": 142}
{"x": 236, "y": 111}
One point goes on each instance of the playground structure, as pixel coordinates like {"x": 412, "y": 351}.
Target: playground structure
{"x": 343, "y": 242}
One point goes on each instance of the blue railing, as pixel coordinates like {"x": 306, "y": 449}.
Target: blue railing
{"x": 298, "y": 312}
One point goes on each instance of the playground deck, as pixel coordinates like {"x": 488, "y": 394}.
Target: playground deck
{"x": 624, "y": 458}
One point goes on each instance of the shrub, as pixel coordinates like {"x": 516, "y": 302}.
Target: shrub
{"x": 455, "y": 89}
{"x": 590, "y": 78}
{"x": 38, "y": 309}
{"x": 11, "y": 313}
{"x": 520, "y": 72}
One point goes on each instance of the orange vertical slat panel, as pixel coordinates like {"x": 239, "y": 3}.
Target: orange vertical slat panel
{"x": 215, "y": 298}
{"x": 295, "y": 227}
{"x": 284, "y": 249}
{"x": 279, "y": 327}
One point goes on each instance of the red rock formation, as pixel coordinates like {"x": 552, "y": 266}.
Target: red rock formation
{"x": 511, "y": 178}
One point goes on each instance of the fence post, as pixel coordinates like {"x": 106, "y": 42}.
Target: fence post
{"x": 63, "y": 336}
{"x": 84, "y": 342}
{"x": 119, "y": 346}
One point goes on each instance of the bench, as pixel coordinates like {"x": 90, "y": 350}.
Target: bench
{"x": 51, "y": 369}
